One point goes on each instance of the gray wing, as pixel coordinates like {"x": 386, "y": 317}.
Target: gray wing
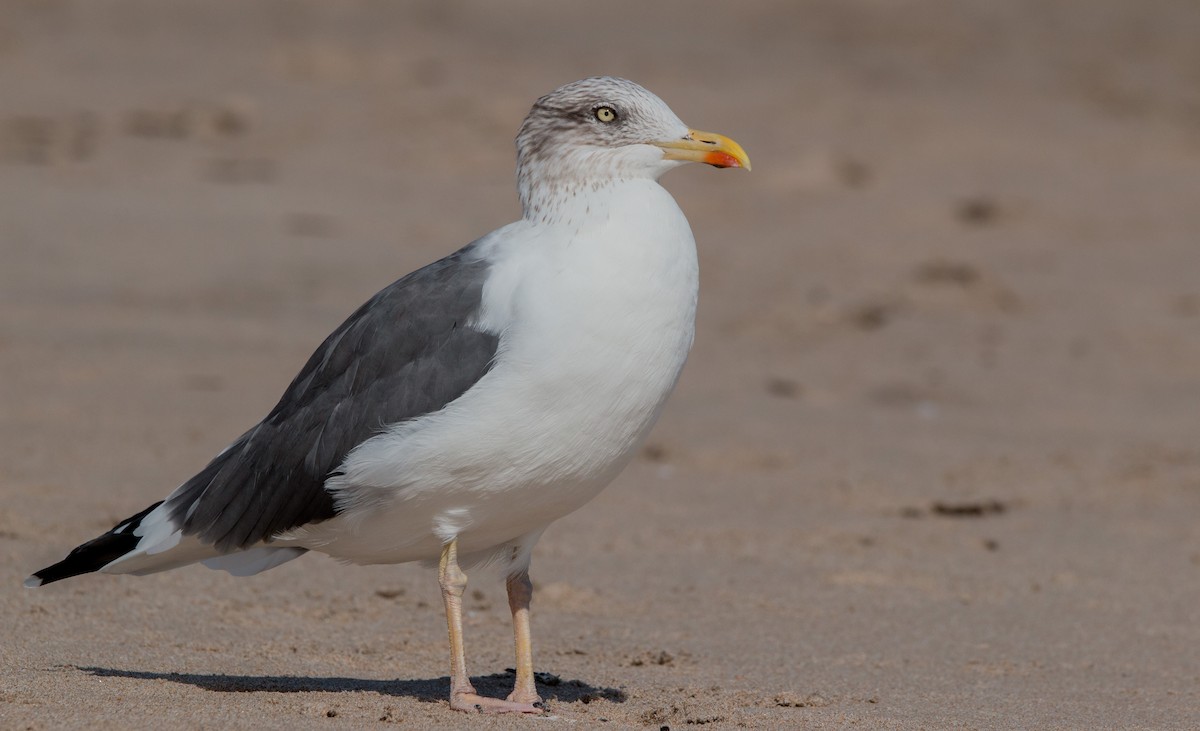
{"x": 408, "y": 351}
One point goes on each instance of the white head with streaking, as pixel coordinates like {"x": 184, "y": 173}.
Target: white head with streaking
{"x": 601, "y": 129}
{"x": 473, "y": 402}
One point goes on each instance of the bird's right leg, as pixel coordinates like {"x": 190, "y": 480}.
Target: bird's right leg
{"x": 462, "y": 694}
{"x": 520, "y": 591}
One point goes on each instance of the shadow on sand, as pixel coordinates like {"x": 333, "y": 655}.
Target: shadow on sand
{"x": 550, "y": 687}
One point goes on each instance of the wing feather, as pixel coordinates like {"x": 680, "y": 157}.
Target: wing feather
{"x": 410, "y": 350}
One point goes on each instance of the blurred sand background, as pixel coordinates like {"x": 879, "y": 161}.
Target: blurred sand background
{"x": 935, "y": 460}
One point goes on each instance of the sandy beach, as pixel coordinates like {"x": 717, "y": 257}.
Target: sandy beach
{"x": 934, "y": 462}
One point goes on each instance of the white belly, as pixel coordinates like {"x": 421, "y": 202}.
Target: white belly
{"x": 595, "y": 326}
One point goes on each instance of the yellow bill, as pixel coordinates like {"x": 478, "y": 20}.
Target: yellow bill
{"x": 709, "y": 148}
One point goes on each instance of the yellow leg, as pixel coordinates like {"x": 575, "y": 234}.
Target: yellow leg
{"x": 462, "y": 694}
{"x": 453, "y": 582}
{"x": 520, "y": 591}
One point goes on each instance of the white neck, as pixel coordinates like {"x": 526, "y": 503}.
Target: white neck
{"x": 549, "y": 187}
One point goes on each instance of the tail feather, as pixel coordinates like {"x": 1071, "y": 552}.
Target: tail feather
{"x": 96, "y": 553}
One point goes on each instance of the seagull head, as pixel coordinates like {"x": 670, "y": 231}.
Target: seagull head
{"x": 603, "y": 129}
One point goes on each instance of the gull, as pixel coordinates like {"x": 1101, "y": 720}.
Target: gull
{"x": 473, "y": 402}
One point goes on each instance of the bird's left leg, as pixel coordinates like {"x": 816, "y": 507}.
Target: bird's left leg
{"x": 462, "y": 694}
{"x": 520, "y": 591}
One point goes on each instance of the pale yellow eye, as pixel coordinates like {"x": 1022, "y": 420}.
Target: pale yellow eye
{"x": 606, "y": 114}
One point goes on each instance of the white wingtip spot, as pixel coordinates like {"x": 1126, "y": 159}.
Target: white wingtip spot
{"x": 157, "y": 532}
{"x": 32, "y": 582}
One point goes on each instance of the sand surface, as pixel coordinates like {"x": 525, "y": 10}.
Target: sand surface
{"x": 934, "y": 463}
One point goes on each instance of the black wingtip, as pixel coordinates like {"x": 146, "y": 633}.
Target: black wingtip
{"x": 91, "y": 556}
{"x": 95, "y": 554}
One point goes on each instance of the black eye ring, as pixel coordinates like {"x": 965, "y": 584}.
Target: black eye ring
{"x": 608, "y": 115}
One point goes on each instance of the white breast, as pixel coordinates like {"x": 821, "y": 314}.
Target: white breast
{"x": 596, "y": 316}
